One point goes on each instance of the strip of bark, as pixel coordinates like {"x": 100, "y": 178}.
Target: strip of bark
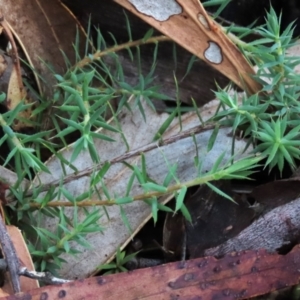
{"x": 277, "y": 229}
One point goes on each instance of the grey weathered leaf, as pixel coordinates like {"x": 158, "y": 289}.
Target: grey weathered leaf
{"x": 138, "y": 133}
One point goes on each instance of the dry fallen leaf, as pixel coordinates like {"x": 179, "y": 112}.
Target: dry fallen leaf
{"x": 214, "y": 220}
{"x": 138, "y": 133}
{"x": 240, "y": 275}
{"x": 15, "y": 91}
{"x": 43, "y": 29}
{"x": 188, "y": 24}
{"x": 3, "y": 65}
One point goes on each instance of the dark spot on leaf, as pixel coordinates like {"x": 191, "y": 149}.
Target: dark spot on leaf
{"x": 202, "y": 264}
{"x": 62, "y": 294}
{"x": 280, "y": 285}
{"x": 100, "y": 280}
{"x": 217, "y": 269}
{"x": 189, "y": 277}
{"x": 203, "y": 286}
{"x": 242, "y": 294}
{"x": 44, "y": 296}
{"x": 254, "y": 270}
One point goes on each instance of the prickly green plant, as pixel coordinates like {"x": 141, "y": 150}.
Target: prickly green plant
{"x": 269, "y": 119}
{"x": 82, "y": 102}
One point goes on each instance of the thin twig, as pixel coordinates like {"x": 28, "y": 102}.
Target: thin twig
{"x": 88, "y": 171}
{"x": 96, "y": 56}
{"x": 45, "y": 277}
{"x": 15, "y": 56}
{"x": 140, "y": 197}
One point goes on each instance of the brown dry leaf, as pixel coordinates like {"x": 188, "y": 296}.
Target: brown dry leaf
{"x": 215, "y": 219}
{"x": 241, "y": 275}
{"x": 3, "y": 294}
{"x": 188, "y": 24}
{"x": 15, "y": 91}
{"x": 276, "y": 193}
{"x": 3, "y": 65}
{"x": 15, "y": 94}
{"x": 17, "y": 239}
{"x": 43, "y": 29}
{"x": 174, "y": 233}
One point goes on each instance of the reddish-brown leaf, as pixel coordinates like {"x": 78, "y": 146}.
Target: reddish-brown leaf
{"x": 189, "y": 25}
{"x": 235, "y": 276}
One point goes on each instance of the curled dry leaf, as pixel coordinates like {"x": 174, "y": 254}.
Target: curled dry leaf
{"x": 241, "y": 275}
{"x": 15, "y": 94}
{"x": 15, "y": 91}
{"x": 138, "y": 133}
{"x": 43, "y": 29}
{"x": 188, "y": 24}
{"x": 214, "y": 220}
{"x": 3, "y": 65}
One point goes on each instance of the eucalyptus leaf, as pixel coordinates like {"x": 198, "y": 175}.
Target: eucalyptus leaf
{"x": 157, "y": 163}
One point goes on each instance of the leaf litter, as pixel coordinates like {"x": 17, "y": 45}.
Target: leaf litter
{"x": 137, "y": 133}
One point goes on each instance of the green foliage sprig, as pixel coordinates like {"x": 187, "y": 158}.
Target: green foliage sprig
{"x": 270, "y": 119}
{"x": 82, "y": 104}
{"x": 118, "y": 265}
